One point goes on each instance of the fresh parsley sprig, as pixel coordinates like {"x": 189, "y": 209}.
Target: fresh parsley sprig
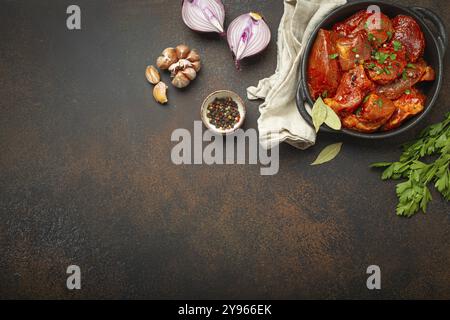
{"x": 414, "y": 194}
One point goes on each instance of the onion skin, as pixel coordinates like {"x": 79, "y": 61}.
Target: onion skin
{"x": 204, "y": 15}
{"x": 248, "y": 35}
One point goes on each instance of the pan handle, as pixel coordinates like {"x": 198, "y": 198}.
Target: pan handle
{"x": 301, "y": 106}
{"x": 429, "y": 15}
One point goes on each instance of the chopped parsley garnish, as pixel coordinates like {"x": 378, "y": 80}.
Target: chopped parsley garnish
{"x": 411, "y": 66}
{"x": 371, "y": 37}
{"x": 408, "y": 91}
{"x": 365, "y": 99}
{"x": 355, "y": 50}
{"x": 380, "y": 103}
{"x": 397, "y": 45}
{"x": 381, "y": 57}
{"x": 370, "y": 66}
{"x": 389, "y": 35}
{"x": 404, "y": 75}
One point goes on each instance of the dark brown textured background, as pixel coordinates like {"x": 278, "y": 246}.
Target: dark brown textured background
{"x": 86, "y": 176}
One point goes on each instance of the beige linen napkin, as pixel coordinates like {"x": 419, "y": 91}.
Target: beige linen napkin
{"x": 279, "y": 120}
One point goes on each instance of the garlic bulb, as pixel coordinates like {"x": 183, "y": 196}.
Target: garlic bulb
{"x": 182, "y": 63}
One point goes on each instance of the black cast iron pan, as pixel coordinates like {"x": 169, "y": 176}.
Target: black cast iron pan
{"x": 436, "y": 45}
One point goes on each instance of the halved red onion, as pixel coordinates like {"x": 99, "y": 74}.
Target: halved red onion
{"x": 204, "y": 15}
{"x": 248, "y": 35}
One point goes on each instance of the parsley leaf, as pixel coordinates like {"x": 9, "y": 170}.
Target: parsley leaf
{"x": 414, "y": 193}
{"x": 381, "y": 57}
{"x": 334, "y": 56}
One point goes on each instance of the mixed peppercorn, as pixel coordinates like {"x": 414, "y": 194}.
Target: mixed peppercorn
{"x": 223, "y": 113}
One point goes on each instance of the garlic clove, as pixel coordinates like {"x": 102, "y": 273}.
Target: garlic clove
{"x": 197, "y": 65}
{"x": 163, "y": 63}
{"x": 180, "y": 80}
{"x": 170, "y": 53}
{"x": 160, "y": 93}
{"x": 167, "y": 58}
{"x": 190, "y": 73}
{"x": 182, "y": 51}
{"x": 193, "y": 56}
{"x": 152, "y": 75}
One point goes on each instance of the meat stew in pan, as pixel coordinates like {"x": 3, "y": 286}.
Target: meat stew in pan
{"x": 367, "y": 69}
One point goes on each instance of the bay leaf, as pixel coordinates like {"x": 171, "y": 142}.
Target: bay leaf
{"x": 332, "y": 120}
{"x": 319, "y": 113}
{"x": 329, "y": 153}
